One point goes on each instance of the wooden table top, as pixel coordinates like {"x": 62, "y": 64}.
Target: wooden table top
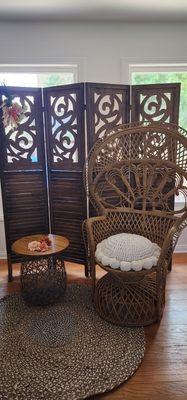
{"x": 58, "y": 244}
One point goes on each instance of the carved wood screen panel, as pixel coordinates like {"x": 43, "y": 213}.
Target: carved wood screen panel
{"x": 155, "y": 103}
{"x": 64, "y": 118}
{"x": 23, "y": 176}
{"x": 158, "y": 102}
{"x": 107, "y": 105}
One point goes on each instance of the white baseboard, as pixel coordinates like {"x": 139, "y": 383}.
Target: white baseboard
{"x": 181, "y": 248}
{"x": 3, "y": 255}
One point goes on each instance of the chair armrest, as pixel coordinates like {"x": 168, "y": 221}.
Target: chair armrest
{"x": 171, "y": 239}
{"x": 97, "y": 229}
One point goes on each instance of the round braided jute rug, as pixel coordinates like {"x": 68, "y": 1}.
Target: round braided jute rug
{"x": 65, "y": 351}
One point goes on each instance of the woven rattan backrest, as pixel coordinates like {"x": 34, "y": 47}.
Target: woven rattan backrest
{"x": 142, "y": 166}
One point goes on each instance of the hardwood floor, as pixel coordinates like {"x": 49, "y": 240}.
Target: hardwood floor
{"x": 163, "y": 372}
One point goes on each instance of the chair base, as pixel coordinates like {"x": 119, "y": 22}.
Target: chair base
{"x": 127, "y": 303}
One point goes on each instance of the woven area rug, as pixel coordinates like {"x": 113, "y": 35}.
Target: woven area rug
{"x": 65, "y": 351}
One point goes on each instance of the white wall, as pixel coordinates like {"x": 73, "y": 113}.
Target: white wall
{"x": 103, "y": 50}
{"x": 101, "y": 46}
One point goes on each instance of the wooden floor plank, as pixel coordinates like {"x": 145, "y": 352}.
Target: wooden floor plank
{"x": 150, "y": 391}
{"x": 163, "y": 372}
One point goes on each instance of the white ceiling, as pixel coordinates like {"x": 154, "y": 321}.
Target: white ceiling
{"x": 119, "y": 10}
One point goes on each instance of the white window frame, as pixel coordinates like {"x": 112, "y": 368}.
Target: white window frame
{"x": 156, "y": 67}
{"x": 39, "y": 68}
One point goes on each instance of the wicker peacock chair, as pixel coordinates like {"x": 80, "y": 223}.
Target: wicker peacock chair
{"x": 132, "y": 177}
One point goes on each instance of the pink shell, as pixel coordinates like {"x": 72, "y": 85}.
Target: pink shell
{"x": 34, "y": 246}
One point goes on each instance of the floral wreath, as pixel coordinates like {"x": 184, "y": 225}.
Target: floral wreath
{"x": 12, "y": 112}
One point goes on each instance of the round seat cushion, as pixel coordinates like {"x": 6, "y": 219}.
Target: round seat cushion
{"x": 127, "y": 251}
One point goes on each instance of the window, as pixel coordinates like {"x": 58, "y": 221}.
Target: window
{"x": 146, "y": 74}
{"x": 150, "y": 74}
{"x": 38, "y": 76}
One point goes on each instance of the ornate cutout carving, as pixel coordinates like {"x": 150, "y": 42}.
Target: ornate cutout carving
{"x": 156, "y": 103}
{"x": 64, "y": 128}
{"x": 21, "y": 143}
{"x": 155, "y": 107}
{"x": 108, "y": 106}
{"x": 108, "y": 112}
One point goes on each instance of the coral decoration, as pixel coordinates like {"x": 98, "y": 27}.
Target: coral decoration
{"x": 40, "y": 245}
{"x": 34, "y": 246}
{"x": 13, "y": 113}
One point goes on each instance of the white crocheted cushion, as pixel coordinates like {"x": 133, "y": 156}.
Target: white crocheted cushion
{"x": 128, "y": 252}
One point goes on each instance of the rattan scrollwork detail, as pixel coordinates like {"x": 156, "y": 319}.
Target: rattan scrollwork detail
{"x": 118, "y": 177}
{"x": 64, "y": 128}
{"x": 152, "y": 187}
{"x": 134, "y": 190}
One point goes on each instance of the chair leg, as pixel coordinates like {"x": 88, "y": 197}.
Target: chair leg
{"x": 170, "y": 265}
{"x": 159, "y": 313}
{"x": 170, "y": 259}
{"x": 93, "y": 276}
{"x": 87, "y": 261}
{"x": 87, "y": 270}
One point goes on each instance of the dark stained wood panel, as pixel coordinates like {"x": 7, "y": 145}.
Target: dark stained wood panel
{"x": 23, "y": 172}
{"x": 65, "y": 134}
{"x": 26, "y": 206}
{"x": 23, "y": 147}
{"x": 157, "y": 102}
{"x": 67, "y": 202}
{"x": 107, "y": 105}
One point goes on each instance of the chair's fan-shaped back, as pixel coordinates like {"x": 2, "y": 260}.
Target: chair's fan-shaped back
{"x": 142, "y": 166}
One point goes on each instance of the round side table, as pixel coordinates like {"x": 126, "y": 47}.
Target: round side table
{"x": 43, "y": 275}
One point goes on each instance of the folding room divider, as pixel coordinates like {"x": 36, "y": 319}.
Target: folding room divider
{"x": 42, "y": 160}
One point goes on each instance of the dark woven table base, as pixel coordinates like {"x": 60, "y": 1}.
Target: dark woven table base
{"x": 43, "y": 280}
